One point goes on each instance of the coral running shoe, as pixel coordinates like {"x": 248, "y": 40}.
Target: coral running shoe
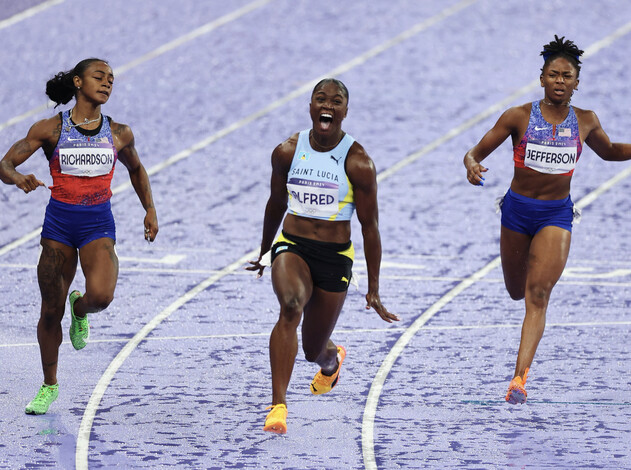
{"x": 79, "y": 327}
{"x": 276, "y": 420}
{"x": 517, "y": 390}
{"x": 324, "y": 383}
{"x": 45, "y": 396}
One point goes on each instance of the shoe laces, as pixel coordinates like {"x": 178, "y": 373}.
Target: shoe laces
{"x": 43, "y": 393}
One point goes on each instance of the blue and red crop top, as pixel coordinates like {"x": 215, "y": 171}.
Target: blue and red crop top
{"x": 549, "y": 148}
{"x": 82, "y": 164}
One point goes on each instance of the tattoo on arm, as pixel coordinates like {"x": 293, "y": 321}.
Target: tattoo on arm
{"x": 118, "y": 129}
{"x": 57, "y": 131}
{"x": 22, "y": 147}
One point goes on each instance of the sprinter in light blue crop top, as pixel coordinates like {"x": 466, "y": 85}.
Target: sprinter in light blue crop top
{"x": 320, "y": 176}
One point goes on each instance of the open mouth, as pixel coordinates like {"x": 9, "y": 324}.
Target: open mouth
{"x": 325, "y": 120}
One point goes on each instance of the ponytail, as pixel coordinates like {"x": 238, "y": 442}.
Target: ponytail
{"x": 60, "y": 88}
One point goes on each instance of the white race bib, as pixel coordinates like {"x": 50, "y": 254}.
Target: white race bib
{"x": 86, "y": 158}
{"x": 313, "y": 198}
{"x": 554, "y": 160}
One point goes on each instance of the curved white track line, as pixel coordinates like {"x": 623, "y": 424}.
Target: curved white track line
{"x": 83, "y": 437}
{"x": 268, "y": 109}
{"x": 372, "y": 401}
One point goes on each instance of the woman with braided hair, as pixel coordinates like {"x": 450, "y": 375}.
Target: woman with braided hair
{"x": 537, "y": 211}
{"x": 82, "y": 147}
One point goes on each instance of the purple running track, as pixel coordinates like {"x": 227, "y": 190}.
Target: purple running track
{"x": 426, "y": 80}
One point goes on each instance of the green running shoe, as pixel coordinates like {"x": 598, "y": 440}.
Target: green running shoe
{"x": 46, "y": 395}
{"x": 79, "y": 327}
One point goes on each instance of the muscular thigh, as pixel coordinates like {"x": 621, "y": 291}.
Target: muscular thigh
{"x": 55, "y": 271}
{"x": 100, "y": 265}
{"x": 548, "y": 255}
{"x": 291, "y": 279}
{"x": 321, "y": 314}
{"x": 515, "y": 251}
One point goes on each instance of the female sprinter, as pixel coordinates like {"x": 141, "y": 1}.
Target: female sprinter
{"x": 82, "y": 147}
{"x": 323, "y": 175}
{"x": 537, "y": 211}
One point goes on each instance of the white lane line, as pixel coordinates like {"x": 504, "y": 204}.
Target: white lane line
{"x": 205, "y": 29}
{"x": 166, "y": 259}
{"x": 28, "y": 13}
{"x": 590, "y": 280}
{"x": 83, "y": 437}
{"x": 359, "y": 60}
{"x": 85, "y": 428}
{"x": 169, "y": 46}
{"x": 341, "y": 332}
{"x": 372, "y": 400}
{"x": 500, "y": 106}
{"x": 370, "y": 411}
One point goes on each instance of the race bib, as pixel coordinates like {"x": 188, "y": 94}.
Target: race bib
{"x": 313, "y": 198}
{"x": 550, "y": 158}
{"x": 86, "y": 158}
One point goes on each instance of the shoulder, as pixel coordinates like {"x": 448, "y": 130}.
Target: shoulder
{"x": 357, "y": 154}
{"x": 46, "y": 130}
{"x": 359, "y": 165}
{"x": 518, "y": 113}
{"x": 47, "y": 125}
{"x": 587, "y": 121}
{"x": 122, "y": 133}
{"x": 585, "y": 116}
{"x": 284, "y": 152}
{"x": 288, "y": 146}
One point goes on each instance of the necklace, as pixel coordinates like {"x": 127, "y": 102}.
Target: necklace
{"x": 84, "y": 123}
{"x": 323, "y": 147}
{"x": 544, "y": 101}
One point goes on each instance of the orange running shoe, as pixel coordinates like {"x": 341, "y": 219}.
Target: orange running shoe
{"x": 517, "y": 390}
{"x": 324, "y": 383}
{"x": 276, "y": 420}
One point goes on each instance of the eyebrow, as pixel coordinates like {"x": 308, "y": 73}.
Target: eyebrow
{"x": 109, "y": 74}
{"x": 322, "y": 91}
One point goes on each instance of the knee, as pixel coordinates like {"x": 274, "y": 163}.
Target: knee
{"x": 50, "y": 320}
{"x": 291, "y": 309}
{"x": 100, "y": 301}
{"x": 539, "y": 295}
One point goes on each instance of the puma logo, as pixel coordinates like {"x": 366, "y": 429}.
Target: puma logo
{"x": 337, "y": 160}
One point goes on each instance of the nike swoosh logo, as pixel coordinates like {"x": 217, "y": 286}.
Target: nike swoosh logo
{"x": 541, "y": 128}
{"x": 73, "y": 140}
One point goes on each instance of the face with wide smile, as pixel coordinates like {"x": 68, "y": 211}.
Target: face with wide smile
{"x": 96, "y": 82}
{"x": 559, "y": 80}
{"x": 328, "y": 109}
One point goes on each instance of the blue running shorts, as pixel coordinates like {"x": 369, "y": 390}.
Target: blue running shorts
{"x": 75, "y": 225}
{"x": 526, "y": 215}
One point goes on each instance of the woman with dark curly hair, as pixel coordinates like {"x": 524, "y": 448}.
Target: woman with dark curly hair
{"x": 537, "y": 211}
{"x": 82, "y": 147}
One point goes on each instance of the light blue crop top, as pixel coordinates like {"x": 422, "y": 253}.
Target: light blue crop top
{"x": 317, "y": 183}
